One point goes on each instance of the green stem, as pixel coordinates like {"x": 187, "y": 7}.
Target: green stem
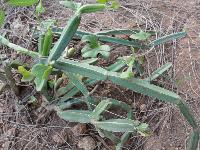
{"x": 66, "y": 36}
{"x": 18, "y": 48}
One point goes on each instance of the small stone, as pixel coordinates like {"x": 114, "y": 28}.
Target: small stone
{"x": 79, "y": 129}
{"x": 58, "y": 139}
{"x": 143, "y": 108}
{"x": 61, "y": 137}
{"x": 6, "y": 145}
{"x": 87, "y": 143}
{"x": 10, "y": 132}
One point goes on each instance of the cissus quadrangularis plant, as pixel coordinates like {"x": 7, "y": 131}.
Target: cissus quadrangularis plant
{"x": 80, "y": 74}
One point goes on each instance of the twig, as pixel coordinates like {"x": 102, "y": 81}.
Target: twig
{"x": 10, "y": 79}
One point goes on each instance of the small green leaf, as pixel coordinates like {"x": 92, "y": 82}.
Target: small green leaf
{"x": 143, "y": 129}
{"x": 48, "y": 40}
{"x": 81, "y": 116}
{"x": 93, "y": 48}
{"x": 22, "y": 2}
{"x": 32, "y": 100}
{"x": 142, "y": 36}
{"x": 47, "y": 72}
{"x": 127, "y": 74}
{"x": 92, "y": 39}
{"x": 41, "y": 73}
{"x": 2, "y": 17}
{"x": 39, "y": 9}
{"x": 115, "y": 4}
{"x": 27, "y": 76}
{"x": 130, "y": 60}
{"x": 70, "y": 4}
{"x": 88, "y": 52}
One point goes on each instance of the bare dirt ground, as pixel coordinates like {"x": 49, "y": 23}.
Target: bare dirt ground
{"x": 24, "y": 127}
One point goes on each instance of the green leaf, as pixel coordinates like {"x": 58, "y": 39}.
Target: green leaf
{"x": 81, "y": 116}
{"x": 115, "y": 4}
{"x": 142, "y": 36}
{"x": 128, "y": 73}
{"x": 2, "y": 17}
{"x": 94, "y": 48}
{"x": 130, "y": 60}
{"x": 48, "y": 40}
{"x": 88, "y": 52}
{"x": 33, "y": 100}
{"x": 92, "y": 39}
{"x": 70, "y": 4}
{"x": 22, "y": 2}
{"x": 117, "y": 125}
{"x": 27, "y": 76}
{"x": 41, "y": 73}
{"x": 40, "y": 9}
{"x": 47, "y": 72}
{"x": 143, "y": 129}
